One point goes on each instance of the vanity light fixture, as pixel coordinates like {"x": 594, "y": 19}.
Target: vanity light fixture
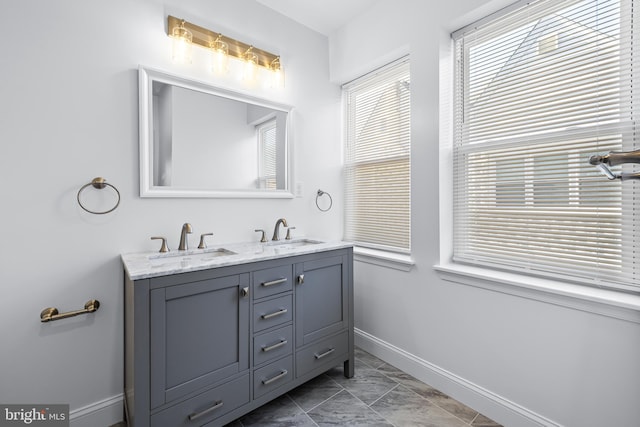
{"x": 182, "y": 40}
{"x": 223, "y": 47}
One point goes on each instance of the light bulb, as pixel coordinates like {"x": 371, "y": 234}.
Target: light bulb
{"x": 219, "y": 56}
{"x": 277, "y": 74}
{"x": 250, "y": 71}
{"x": 182, "y": 40}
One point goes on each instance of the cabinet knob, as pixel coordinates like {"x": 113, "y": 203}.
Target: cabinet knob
{"x": 301, "y": 279}
{"x": 244, "y": 291}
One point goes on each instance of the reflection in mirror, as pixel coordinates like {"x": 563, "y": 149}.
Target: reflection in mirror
{"x": 201, "y": 141}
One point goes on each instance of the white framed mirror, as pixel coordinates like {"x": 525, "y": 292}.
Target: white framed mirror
{"x": 198, "y": 140}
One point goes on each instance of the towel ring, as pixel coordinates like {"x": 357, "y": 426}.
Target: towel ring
{"x": 98, "y": 183}
{"x": 320, "y": 194}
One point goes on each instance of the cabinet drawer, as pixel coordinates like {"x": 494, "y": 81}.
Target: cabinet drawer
{"x": 273, "y": 312}
{"x": 272, "y": 281}
{"x": 207, "y": 406}
{"x": 272, "y": 345}
{"x": 272, "y": 376}
{"x": 324, "y": 352}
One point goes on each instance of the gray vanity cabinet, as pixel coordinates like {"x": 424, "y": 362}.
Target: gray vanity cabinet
{"x": 206, "y": 347}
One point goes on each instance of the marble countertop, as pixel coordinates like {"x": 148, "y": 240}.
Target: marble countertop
{"x": 144, "y": 265}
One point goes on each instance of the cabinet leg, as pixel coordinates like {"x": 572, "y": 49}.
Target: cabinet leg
{"x": 349, "y": 370}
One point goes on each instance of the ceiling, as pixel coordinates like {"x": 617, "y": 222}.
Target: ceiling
{"x": 323, "y": 16}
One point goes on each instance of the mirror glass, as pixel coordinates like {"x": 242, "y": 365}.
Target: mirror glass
{"x": 197, "y": 140}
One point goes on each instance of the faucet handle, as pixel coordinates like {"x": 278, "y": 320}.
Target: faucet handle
{"x": 289, "y": 233}
{"x": 202, "y": 244}
{"x": 264, "y": 236}
{"x": 164, "y": 247}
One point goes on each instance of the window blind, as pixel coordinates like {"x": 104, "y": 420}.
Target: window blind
{"x": 377, "y": 159}
{"x": 267, "y": 156}
{"x": 538, "y": 91}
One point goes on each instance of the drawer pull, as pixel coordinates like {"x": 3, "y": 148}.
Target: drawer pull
{"x": 274, "y": 314}
{"x": 326, "y": 353}
{"x": 274, "y": 282}
{"x": 282, "y": 374}
{"x": 197, "y": 415}
{"x": 274, "y": 346}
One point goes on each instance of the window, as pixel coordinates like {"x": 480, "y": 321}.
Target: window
{"x": 377, "y": 159}
{"x": 267, "y": 156}
{"x": 539, "y": 89}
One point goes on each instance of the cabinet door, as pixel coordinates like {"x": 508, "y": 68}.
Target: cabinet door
{"x": 199, "y": 335}
{"x": 321, "y": 298}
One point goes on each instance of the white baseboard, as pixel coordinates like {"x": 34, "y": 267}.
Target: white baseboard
{"x": 496, "y": 407}
{"x": 104, "y": 413}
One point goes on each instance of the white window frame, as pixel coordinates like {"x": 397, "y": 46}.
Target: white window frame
{"x": 485, "y": 272}
{"x": 367, "y": 251}
{"x": 261, "y": 129}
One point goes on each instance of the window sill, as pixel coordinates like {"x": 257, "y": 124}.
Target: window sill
{"x": 402, "y": 262}
{"x": 604, "y": 302}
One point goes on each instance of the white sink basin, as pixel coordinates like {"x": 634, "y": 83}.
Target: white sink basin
{"x": 190, "y": 258}
{"x": 294, "y": 243}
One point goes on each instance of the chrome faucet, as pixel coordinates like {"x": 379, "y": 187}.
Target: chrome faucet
{"x": 184, "y": 242}
{"x": 276, "y": 231}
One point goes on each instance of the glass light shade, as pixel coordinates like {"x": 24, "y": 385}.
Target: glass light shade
{"x": 219, "y": 57}
{"x": 182, "y": 42}
{"x": 250, "y": 71}
{"x": 277, "y": 74}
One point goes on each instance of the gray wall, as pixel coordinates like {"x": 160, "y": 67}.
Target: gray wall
{"x": 70, "y": 113}
{"x": 523, "y": 357}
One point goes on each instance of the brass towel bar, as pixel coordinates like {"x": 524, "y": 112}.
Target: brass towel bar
{"x": 51, "y": 313}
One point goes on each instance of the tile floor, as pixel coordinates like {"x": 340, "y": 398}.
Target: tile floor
{"x": 378, "y": 395}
